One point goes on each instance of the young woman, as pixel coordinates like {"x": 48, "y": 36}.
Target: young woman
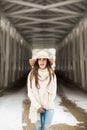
{"x": 42, "y": 86}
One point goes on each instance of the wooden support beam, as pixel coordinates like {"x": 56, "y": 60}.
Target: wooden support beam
{"x": 82, "y": 57}
{"x": 7, "y": 57}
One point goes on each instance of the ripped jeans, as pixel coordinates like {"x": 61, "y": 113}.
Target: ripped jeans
{"x": 45, "y": 120}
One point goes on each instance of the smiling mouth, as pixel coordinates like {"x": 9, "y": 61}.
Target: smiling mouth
{"x": 41, "y": 64}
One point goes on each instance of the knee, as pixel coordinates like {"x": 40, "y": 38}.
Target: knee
{"x": 38, "y": 125}
{"x": 47, "y": 127}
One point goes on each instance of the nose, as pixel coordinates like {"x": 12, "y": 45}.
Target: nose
{"x": 42, "y": 59}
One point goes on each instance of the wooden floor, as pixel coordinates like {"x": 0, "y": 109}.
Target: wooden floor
{"x": 78, "y": 113}
{"x": 14, "y": 111}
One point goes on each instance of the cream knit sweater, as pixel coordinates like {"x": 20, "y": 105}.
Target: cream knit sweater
{"x": 41, "y": 97}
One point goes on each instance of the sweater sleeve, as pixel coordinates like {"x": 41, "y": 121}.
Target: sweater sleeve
{"x": 31, "y": 96}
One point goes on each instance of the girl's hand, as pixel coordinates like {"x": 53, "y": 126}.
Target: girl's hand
{"x": 41, "y": 109}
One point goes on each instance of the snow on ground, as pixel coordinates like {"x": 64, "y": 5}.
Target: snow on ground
{"x": 78, "y": 97}
{"x": 61, "y": 114}
{"x": 11, "y": 110}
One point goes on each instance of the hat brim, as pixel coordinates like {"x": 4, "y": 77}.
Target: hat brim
{"x": 32, "y": 61}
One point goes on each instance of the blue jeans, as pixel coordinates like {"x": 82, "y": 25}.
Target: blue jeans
{"x": 45, "y": 120}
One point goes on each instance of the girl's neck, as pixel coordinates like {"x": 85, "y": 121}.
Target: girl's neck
{"x": 43, "y": 69}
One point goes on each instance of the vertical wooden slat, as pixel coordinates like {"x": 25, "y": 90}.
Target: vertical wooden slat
{"x": 14, "y": 61}
{"x": 7, "y": 54}
{"x": 85, "y": 41}
{"x": 67, "y": 59}
{"x": 73, "y": 50}
{"x": 69, "y": 73}
{"x": 0, "y": 49}
{"x": 81, "y": 58}
{"x": 3, "y": 54}
{"x": 19, "y": 61}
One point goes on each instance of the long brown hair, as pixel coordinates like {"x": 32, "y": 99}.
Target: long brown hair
{"x": 34, "y": 73}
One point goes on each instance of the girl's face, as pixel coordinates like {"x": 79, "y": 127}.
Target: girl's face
{"x": 42, "y": 62}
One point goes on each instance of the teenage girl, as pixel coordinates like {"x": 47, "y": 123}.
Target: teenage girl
{"x": 42, "y": 86}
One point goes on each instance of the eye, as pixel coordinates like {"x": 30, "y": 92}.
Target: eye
{"x": 39, "y": 59}
{"x": 44, "y": 59}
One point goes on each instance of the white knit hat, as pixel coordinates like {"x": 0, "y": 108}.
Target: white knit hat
{"x": 41, "y": 54}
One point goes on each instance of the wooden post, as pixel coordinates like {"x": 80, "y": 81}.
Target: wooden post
{"x": 14, "y": 61}
{"x": 82, "y": 57}
{"x": 73, "y": 51}
{"x": 85, "y": 42}
{"x": 7, "y": 54}
{"x": 3, "y": 53}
